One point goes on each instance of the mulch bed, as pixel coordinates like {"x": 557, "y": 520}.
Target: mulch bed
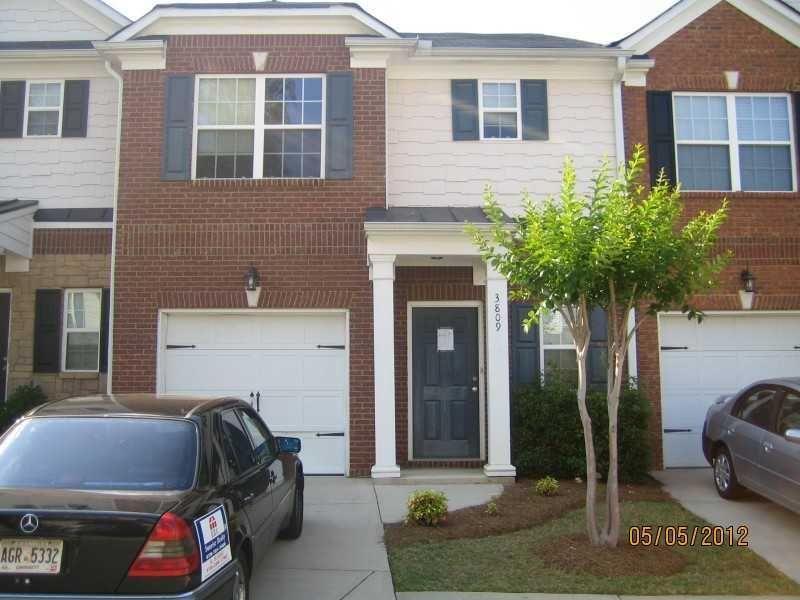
{"x": 518, "y": 508}
{"x": 575, "y": 554}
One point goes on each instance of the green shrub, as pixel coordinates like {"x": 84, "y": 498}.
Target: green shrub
{"x": 491, "y": 509}
{"x": 546, "y": 486}
{"x": 548, "y": 437}
{"x": 427, "y": 507}
{"x": 21, "y": 400}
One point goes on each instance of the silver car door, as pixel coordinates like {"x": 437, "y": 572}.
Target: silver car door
{"x": 752, "y": 417}
{"x": 781, "y": 457}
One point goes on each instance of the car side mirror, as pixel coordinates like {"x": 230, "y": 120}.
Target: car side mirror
{"x": 792, "y": 435}
{"x": 291, "y": 445}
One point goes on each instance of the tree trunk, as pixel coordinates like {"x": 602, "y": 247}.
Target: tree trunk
{"x": 581, "y": 333}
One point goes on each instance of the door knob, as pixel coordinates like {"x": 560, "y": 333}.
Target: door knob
{"x": 474, "y": 388}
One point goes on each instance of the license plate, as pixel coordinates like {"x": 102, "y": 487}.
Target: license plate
{"x": 34, "y": 556}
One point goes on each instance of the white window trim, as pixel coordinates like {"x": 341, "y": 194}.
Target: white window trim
{"x": 544, "y": 347}
{"x": 59, "y": 109}
{"x": 733, "y": 139}
{"x": 258, "y": 126}
{"x": 65, "y": 330}
{"x": 518, "y": 110}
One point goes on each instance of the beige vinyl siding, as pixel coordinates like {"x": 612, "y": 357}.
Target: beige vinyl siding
{"x": 427, "y": 168}
{"x": 66, "y": 172}
{"x": 42, "y": 20}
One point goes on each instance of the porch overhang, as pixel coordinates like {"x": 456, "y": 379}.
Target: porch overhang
{"x": 16, "y": 233}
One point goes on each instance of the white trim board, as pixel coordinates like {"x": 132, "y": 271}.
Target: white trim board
{"x": 477, "y": 304}
{"x": 771, "y": 13}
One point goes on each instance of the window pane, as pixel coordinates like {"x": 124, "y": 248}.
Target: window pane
{"x": 561, "y": 364}
{"x": 555, "y": 330}
{"x": 44, "y": 95}
{"x": 312, "y": 113}
{"x": 237, "y": 444}
{"x": 704, "y": 167}
{"x": 208, "y": 90}
{"x": 763, "y": 119}
{"x": 291, "y": 165}
{"x": 312, "y": 141}
{"x": 227, "y": 90}
{"x": 83, "y": 310}
{"x": 91, "y": 453}
{"x": 273, "y": 165}
{"x": 312, "y": 88}
{"x": 226, "y": 101}
{"x": 292, "y": 153}
{"x": 293, "y": 89}
{"x": 701, "y": 118}
{"x": 83, "y": 350}
{"x": 500, "y": 125}
{"x": 261, "y": 438}
{"x": 226, "y": 113}
{"x": 789, "y": 415}
{"x": 293, "y": 114}
{"x": 311, "y": 165}
{"x": 273, "y": 142}
{"x": 273, "y": 113}
{"x": 291, "y": 141}
{"x": 274, "y": 89}
{"x": 43, "y": 122}
{"x": 224, "y": 154}
{"x": 766, "y": 168}
{"x": 757, "y": 408}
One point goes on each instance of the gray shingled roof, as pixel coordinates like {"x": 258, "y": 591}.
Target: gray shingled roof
{"x": 7, "y": 206}
{"x": 427, "y": 214}
{"x": 500, "y": 40}
{"x": 74, "y": 215}
{"x": 48, "y": 45}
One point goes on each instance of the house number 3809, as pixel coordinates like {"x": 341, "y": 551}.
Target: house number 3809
{"x": 498, "y": 317}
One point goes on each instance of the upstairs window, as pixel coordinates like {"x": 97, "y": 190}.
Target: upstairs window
{"x": 259, "y": 127}
{"x": 499, "y": 110}
{"x": 733, "y": 142}
{"x": 82, "y": 330}
{"x": 43, "y": 109}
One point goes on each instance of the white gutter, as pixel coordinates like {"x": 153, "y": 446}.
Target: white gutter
{"x": 53, "y": 54}
{"x": 524, "y": 53}
{"x": 116, "y": 75}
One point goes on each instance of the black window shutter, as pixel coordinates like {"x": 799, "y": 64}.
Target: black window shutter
{"x": 464, "y": 98}
{"x": 339, "y": 126}
{"x": 75, "y": 115}
{"x": 597, "y": 359}
{"x": 534, "y": 109}
{"x": 105, "y": 307}
{"x": 524, "y": 348}
{"x": 47, "y": 332}
{"x": 12, "y": 108}
{"x": 661, "y": 134}
{"x": 176, "y": 152}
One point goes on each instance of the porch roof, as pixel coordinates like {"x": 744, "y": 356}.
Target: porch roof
{"x": 458, "y": 215}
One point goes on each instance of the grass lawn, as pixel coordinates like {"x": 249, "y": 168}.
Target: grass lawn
{"x": 472, "y": 553}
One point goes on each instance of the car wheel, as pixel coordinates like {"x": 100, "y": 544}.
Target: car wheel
{"x": 241, "y": 582}
{"x": 295, "y": 527}
{"x": 724, "y": 475}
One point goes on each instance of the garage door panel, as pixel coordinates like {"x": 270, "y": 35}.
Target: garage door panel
{"x": 207, "y": 373}
{"x": 724, "y": 354}
{"x": 280, "y": 369}
{"x": 323, "y": 411}
{"x": 327, "y": 454}
{"x": 282, "y": 410}
{"x": 324, "y": 370}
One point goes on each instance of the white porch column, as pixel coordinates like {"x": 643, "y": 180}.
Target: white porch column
{"x": 498, "y": 406}
{"x": 382, "y": 275}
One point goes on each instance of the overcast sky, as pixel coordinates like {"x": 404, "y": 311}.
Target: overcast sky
{"x": 593, "y": 20}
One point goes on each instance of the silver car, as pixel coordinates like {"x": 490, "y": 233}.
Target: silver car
{"x": 752, "y": 440}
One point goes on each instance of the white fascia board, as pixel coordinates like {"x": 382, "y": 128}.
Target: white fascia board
{"x": 378, "y": 53}
{"x": 425, "y": 227}
{"x": 428, "y": 242}
{"x": 73, "y": 225}
{"x": 770, "y": 13}
{"x": 134, "y": 55}
{"x": 299, "y": 12}
{"x": 523, "y": 53}
{"x": 48, "y": 54}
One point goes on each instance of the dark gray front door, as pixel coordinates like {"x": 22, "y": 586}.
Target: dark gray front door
{"x": 5, "y": 322}
{"x": 445, "y": 382}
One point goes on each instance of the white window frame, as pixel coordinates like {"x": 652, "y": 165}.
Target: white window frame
{"x": 65, "y": 329}
{"x": 733, "y": 142}
{"x": 518, "y": 110}
{"x": 259, "y": 126}
{"x": 28, "y": 109}
{"x": 543, "y": 347}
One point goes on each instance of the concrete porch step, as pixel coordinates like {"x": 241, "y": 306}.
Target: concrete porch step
{"x": 433, "y": 477}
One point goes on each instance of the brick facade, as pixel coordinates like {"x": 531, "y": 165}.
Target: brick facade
{"x": 762, "y": 228}
{"x": 63, "y": 258}
{"x": 188, "y": 244}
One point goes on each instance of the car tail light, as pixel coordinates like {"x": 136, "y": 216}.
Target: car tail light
{"x": 170, "y": 550}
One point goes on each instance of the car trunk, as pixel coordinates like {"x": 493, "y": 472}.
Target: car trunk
{"x": 102, "y": 533}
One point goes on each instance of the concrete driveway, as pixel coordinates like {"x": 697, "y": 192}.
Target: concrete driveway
{"x": 340, "y": 554}
{"x": 774, "y": 531}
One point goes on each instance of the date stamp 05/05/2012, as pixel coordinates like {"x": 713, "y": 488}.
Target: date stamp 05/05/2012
{"x": 684, "y": 535}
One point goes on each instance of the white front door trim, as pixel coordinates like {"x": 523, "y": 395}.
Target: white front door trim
{"x": 161, "y": 336}
{"x": 481, "y": 368}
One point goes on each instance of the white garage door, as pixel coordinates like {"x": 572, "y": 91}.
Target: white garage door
{"x": 700, "y": 362}
{"x": 296, "y": 362}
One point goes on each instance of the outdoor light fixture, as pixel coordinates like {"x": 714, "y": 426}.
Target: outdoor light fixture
{"x": 252, "y": 286}
{"x": 748, "y": 292}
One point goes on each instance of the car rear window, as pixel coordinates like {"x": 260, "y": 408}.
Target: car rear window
{"x": 99, "y": 453}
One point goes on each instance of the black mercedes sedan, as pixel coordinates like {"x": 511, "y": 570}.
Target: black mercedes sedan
{"x": 141, "y": 496}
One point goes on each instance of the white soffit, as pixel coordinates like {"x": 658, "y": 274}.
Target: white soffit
{"x": 341, "y": 20}
{"x": 773, "y": 14}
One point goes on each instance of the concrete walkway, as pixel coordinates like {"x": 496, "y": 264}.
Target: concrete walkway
{"x": 340, "y": 554}
{"x": 774, "y": 531}
{"x": 490, "y": 596}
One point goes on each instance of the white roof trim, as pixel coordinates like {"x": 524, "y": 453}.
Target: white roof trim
{"x": 421, "y": 226}
{"x": 348, "y": 11}
{"x": 773, "y": 14}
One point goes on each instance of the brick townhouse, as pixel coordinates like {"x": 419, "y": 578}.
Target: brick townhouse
{"x": 58, "y": 139}
{"x": 719, "y": 111}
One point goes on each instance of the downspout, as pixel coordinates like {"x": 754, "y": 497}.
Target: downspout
{"x": 118, "y": 77}
{"x": 619, "y": 142}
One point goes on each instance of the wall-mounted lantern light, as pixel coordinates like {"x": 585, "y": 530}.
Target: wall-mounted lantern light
{"x": 748, "y": 291}
{"x": 252, "y": 286}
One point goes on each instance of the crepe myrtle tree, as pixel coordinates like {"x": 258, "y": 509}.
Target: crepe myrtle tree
{"x": 619, "y": 247}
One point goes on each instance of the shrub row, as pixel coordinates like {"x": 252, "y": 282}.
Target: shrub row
{"x": 20, "y": 401}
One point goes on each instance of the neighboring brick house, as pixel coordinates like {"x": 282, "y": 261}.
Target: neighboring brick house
{"x": 719, "y": 111}
{"x": 294, "y": 184}
{"x": 58, "y": 137}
